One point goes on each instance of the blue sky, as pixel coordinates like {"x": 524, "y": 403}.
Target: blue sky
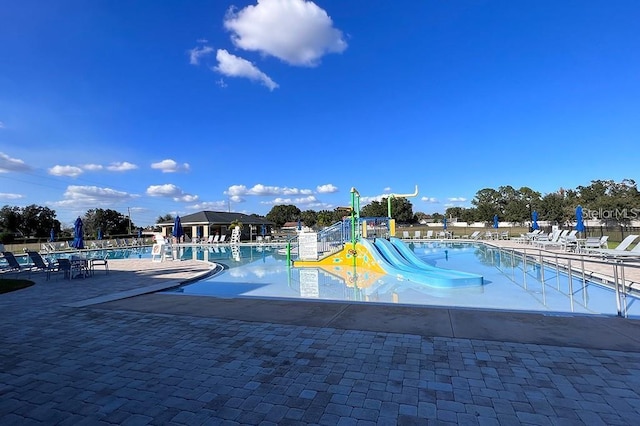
{"x": 175, "y": 107}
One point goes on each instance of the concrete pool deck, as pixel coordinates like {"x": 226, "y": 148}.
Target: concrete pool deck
{"x": 101, "y": 351}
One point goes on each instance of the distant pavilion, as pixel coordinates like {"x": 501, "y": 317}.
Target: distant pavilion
{"x": 206, "y": 223}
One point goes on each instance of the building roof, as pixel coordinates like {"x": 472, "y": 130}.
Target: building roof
{"x": 221, "y": 218}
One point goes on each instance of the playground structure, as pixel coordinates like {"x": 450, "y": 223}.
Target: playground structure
{"x": 360, "y": 250}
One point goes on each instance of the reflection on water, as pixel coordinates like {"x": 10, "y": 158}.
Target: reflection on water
{"x": 510, "y": 282}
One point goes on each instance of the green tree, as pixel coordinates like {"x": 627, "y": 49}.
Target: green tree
{"x": 469, "y": 215}
{"x": 111, "y": 222}
{"x": 166, "y": 218}
{"x": 454, "y": 212}
{"x": 375, "y": 209}
{"x": 283, "y": 213}
{"x": 487, "y": 203}
{"x": 401, "y": 209}
{"x": 38, "y": 221}
{"x": 309, "y": 217}
{"x": 553, "y": 208}
{"x": 10, "y": 218}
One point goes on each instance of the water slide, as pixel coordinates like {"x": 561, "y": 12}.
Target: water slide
{"x": 396, "y": 259}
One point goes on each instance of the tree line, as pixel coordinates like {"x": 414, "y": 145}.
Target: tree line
{"x": 37, "y": 222}
{"x": 606, "y": 200}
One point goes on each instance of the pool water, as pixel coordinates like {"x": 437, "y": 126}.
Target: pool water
{"x": 509, "y": 283}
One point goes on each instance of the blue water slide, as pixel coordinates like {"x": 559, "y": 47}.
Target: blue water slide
{"x": 393, "y": 263}
{"x": 409, "y": 255}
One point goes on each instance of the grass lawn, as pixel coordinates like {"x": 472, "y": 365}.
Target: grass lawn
{"x": 9, "y": 284}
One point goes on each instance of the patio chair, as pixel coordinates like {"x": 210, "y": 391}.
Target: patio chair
{"x": 39, "y": 264}
{"x": 533, "y": 235}
{"x": 13, "y": 264}
{"x": 99, "y": 261}
{"x": 405, "y": 235}
{"x": 64, "y": 265}
{"x": 553, "y": 240}
{"x": 604, "y": 242}
{"x": 592, "y": 243}
{"x": 621, "y": 250}
{"x": 475, "y": 235}
{"x": 429, "y": 234}
{"x": 223, "y": 237}
{"x": 416, "y": 235}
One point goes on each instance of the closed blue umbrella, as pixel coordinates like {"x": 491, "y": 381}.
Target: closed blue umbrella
{"x": 139, "y": 232}
{"x": 78, "y": 238}
{"x": 495, "y": 221}
{"x": 299, "y": 225}
{"x": 263, "y": 230}
{"x": 534, "y": 218}
{"x": 579, "y": 220}
{"x": 52, "y": 236}
{"x": 177, "y": 228}
{"x": 99, "y": 234}
{"x": 444, "y": 223}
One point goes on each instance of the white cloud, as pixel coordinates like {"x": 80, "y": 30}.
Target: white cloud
{"x": 121, "y": 166}
{"x": 199, "y": 52}
{"x": 457, "y": 199}
{"x": 327, "y": 189}
{"x": 308, "y": 202}
{"x": 429, "y": 199}
{"x": 387, "y": 189}
{"x": 71, "y": 171}
{"x": 77, "y": 196}
{"x": 170, "y": 166}
{"x": 170, "y": 190}
{"x": 8, "y": 164}
{"x": 92, "y": 167}
{"x": 296, "y": 31}
{"x": 234, "y": 66}
{"x": 1, "y": 125}
{"x": 264, "y": 190}
{"x": 366, "y": 200}
{"x": 9, "y": 196}
{"x": 210, "y": 205}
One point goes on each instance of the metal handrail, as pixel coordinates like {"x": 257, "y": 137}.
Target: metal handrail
{"x": 541, "y": 256}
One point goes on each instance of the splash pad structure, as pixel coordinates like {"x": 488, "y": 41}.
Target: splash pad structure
{"x": 362, "y": 260}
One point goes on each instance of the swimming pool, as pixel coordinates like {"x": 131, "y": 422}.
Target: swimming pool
{"x": 509, "y": 282}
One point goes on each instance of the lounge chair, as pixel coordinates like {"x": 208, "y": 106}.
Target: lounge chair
{"x": 13, "y": 264}
{"x": 552, "y": 240}
{"x": 591, "y": 243}
{"x": 416, "y": 235}
{"x": 39, "y": 264}
{"x": 222, "y": 238}
{"x": 475, "y": 235}
{"x": 429, "y": 234}
{"x": 533, "y": 235}
{"x": 405, "y": 235}
{"x": 604, "y": 242}
{"x": 621, "y": 250}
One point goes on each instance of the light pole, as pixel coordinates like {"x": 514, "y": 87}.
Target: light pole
{"x": 129, "y": 214}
